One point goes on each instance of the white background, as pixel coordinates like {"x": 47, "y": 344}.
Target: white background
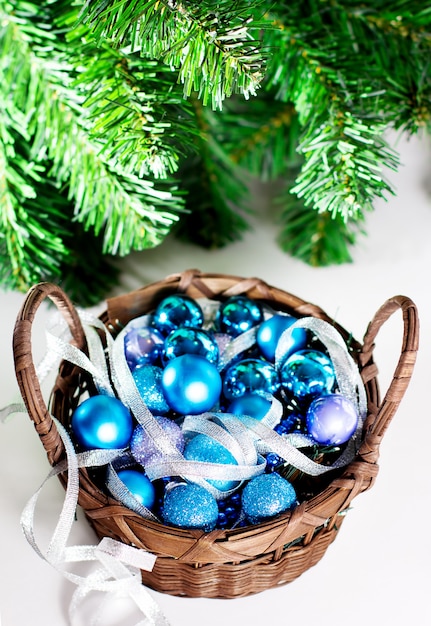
{"x": 377, "y": 570}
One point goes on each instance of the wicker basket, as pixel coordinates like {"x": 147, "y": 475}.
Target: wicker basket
{"x": 221, "y": 563}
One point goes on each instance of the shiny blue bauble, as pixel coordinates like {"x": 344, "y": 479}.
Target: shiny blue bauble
{"x": 270, "y": 331}
{"x": 175, "y": 311}
{"x": 139, "y": 485}
{"x": 191, "y": 384}
{"x": 267, "y": 495}
{"x": 251, "y": 404}
{"x": 144, "y": 449}
{"x": 308, "y": 373}
{"x": 206, "y": 449}
{"x": 190, "y": 341}
{"x": 190, "y": 506}
{"x": 143, "y": 346}
{"x": 239, "y": 314}
{"x": 250, "y": 375}
{"x": 148, "y": 379}
{"x": 331, "y": 419}
{"x": 102, "y": 422}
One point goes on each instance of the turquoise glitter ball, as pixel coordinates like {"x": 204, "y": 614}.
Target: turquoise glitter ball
{"x": 148, "y": 379}
{"x": 267, "y": 495}
{"x": 207, "y": 449}
{"x": 190, "y": 506}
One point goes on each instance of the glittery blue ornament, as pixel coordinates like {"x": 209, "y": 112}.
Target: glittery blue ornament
{"x": 139, "y": 485}
{"x": 191, "y": 384}
{"x": 148, "y": 379}
{"x": 308, "y": 373}
{"x": 206, "y": 449}
{"x": 238, "y": 314}
{"x": 270, "y": 331}
{"x": 175, "y": 311}
{"x": 252, "y": 404}
{"x": 190, "y": 506}
{"x": 102, "y": 422}
{"x": 331, "y": 419}
{"x": 143, "y": 346}
{"x": 143, "y": 447}
{"x": 267, "y": 495}
{"x": 190, "y": 341}
{"x": 250, "y": 375}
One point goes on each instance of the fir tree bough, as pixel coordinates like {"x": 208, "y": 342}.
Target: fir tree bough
{"x": 121, "y": 121}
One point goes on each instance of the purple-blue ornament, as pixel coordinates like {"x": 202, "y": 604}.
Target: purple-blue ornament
{"x": 102, "y": 422}
{"x": 148, "y": 379}
{"x": 308, "y": 373}
{"x": 190, "y": 341}
{"x": 206, "y": 449}
{"x": 270, "y": 331}
{"x": 190, "y": 506}
{"x": 139, "y": 485}
{"x": 251, "y": 404}
{"x": 250, "y": 375}
{"x": 175, "y": 311}
{"x": 331, "y": 419}
{"x": 143, "y": 346}
{"x": 267, "y": 495}
{"x": 191, "y": 384}
{"x": 144, "y": 449}
{"x": 239, "y": 314}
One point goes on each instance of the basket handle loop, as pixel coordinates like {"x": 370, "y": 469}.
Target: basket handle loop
{"x": 24, "y": 364}
{"x": 404, "y": 369}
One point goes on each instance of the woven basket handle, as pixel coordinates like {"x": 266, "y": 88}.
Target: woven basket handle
{"x": 24, "y": 364}
{"x": 379, "y": 421}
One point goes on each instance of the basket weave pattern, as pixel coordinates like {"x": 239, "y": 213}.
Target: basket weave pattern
{"x": 222, "y": 563}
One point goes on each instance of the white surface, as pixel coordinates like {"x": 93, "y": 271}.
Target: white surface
{"x": 377, "y": 570}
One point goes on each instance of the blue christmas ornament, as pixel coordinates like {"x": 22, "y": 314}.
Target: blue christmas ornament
{"x": 144, "y": 448}
{"x": 331, "y": 419}
{"x": 148, "y": 379}
{"x": 308, "y": 373}
{"x": 270, "y": 331}
{"x": 102, "y": 422}
{"x": 267, "y": 495}
{"x": 250, "y": 375}
{"x": 252, "y": 404}
{"x": 175, "y": 311}
{"x": 139, "y": 485}
{"x": 190, "y": 506}
{"x": 143, "y": 346}
{"x": 191, "y": 384}
{"x": 190, "y": 341}
{"x": 207, "y": 449}
{"x": 238, "y": 314}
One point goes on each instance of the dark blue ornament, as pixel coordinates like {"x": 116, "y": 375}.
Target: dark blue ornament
{"x": 190, "y": 506}
{"x": 248, "y": 376}
{"x": 148, "y": 379}
{"x": 143, "y": 346}
{"x": 191, "y": 384}
{"x": 144, "y": 448}
{"x": 270, "y": 331}
{"x": 206, "y": 449}
{"x": 308, "y": 373}
{"x": 190, "y": 341}
{"x": 251, "y": 404}
{"x": 331, "y": 419}
{"x": 239, "y": 314}
{"x": 175, "y": 311}
{"x": 102, "y": 422}
{"x": 267, "y": 495}
{"x": 139, "y": 485}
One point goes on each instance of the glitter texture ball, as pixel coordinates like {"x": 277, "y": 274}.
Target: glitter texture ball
{"x": 207, "y": 449}
{"x": 238, "y": 314}
{"x": 270, "y": 331}
{"x": 307, "y": 373}
{"x": 143, "y": 346}
{"x": 143, "y": 447}
{"x": 139, "y": 485}
{"x": 102, "y": 422}
{"x": 175, "y": 311}
{"x": 331, "y": 419}
{"x": 191, "y": 384}
{"x": 252, "y": 404}
{"x": 190, "y": 341}
{"x": 267, "y": 495}
{"x": 250, "y": 375}
{"x": 148, "y": 379}
{"x": 190, "y": 506}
